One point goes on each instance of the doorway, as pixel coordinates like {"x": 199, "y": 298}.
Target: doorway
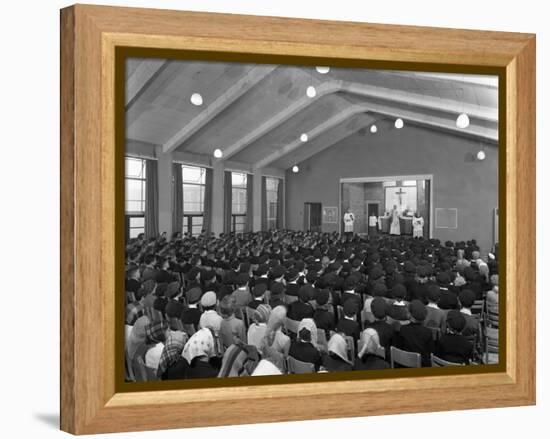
{"x": 312, "y": 217}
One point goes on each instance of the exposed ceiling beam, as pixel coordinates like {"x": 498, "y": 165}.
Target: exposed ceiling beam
{"x": 334, "y": 136}
{"x": 144, "y": 73}
{"x": 238, "y": 89}
{"x": 446, "y": 124}
{"x": 324, "y": 89}
{"x": 328, "y": 124}
{"x": 364, "y": 91}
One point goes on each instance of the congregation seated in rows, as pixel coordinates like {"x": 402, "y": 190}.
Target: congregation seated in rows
{"x": 282, "y": 302}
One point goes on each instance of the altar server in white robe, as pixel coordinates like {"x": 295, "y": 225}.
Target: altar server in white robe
{"x": 395, "y": 228}
{"x": 349, "y": 219}
{"x": 418, "y": 226}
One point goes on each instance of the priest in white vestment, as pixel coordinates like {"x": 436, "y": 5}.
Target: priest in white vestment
{"x": 395, "y": 228}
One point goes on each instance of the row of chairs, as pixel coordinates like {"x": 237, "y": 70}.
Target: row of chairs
{"x": 398, "y": 358}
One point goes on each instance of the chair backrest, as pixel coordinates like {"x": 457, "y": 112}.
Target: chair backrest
{"x": 491, "y": 317}
{"x": 292, "y": 325}
{"x": 296, "y": 366}
{"x": 350, "y": 344}
{"x": 440, "y": 362}
{"x": 140, "y": 371}
{"x": 322, "y": 340}
{"x": 477, "y": 307}
{"x": 404, "y": 358}
{"x": 129, "y": 370}
{"x": 491, "y": 340}
{"x": 436, "y": 333}
{"x": 340, "y": 312}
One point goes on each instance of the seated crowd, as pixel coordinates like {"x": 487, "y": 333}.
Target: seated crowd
{"x": 279, "y": 302}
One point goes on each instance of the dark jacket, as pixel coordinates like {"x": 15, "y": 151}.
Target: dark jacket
{"x": 415, "y": 337}
{"x": 455, "y": 348}
{"x": 305, "y": 352}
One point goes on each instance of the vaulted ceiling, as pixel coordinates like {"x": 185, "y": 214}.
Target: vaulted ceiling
{"x": 256, "y": 113}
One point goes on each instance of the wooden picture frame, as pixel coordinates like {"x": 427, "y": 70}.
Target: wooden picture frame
{"x": 90, "y": 38}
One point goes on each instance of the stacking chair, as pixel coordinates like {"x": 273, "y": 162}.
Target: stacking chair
{"x": 404, "y": 358}
{"x": 491, "y": 317}
{"x": 491, "y": 345}
{"x": 436, "y": 333}
{"x": 350, "y": 343}
{"x": 477, "y": 308}
{"x": 322, "y": 340}
{"x": 295, "y": 366}
{"x": 440, "y": 362}
{"x": 140, "y": 370}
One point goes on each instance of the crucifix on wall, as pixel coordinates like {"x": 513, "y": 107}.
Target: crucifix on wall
{"x": 400, "y": 194}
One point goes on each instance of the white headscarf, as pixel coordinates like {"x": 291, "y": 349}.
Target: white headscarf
{"x": 371, "y": 342}
{"x": 338, "y": 346}
{"x": 266, "y": 367}
{"x": 310, "y": 325}
{"x": 200, "y": 344}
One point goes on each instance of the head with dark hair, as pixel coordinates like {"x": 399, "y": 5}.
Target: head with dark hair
{"x": 227, "y": 306}
{"x": 150, "y": 259}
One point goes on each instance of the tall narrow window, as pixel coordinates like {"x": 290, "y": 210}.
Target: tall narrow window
{"x": 194, "y": 187}
{"x": 238, "y": 202}
{"x": 135, "y": 190}
{"x": 271, "y": 189}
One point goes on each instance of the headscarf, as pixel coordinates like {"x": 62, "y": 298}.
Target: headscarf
{"x": 156, "y": 332}
{"x": 338, "y": 346}
{"x": 172, "y": 350}
{"x": 276, "y": 319}
{"x": 200, "y": 344}
{"x": 266, "y": 367}
{"x": 137, "y": 336}
{"x": 310, "y": 325}
{"x": 371, "y": 342}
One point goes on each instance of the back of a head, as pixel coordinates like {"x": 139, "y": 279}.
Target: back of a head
{"x": 227, "y": 306}
{"x": 379, "y": 308}
{"x": 434, "y": 293}
{"x": 466, "y": 298}
{"x": 399, "y": 291}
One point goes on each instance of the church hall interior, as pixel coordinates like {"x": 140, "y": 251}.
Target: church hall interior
{"x": 284, "y": 219}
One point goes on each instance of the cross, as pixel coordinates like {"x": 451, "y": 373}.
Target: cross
{"x": 400, "y": 193}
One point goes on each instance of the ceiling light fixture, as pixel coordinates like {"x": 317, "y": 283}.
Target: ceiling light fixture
{"x": 218, "y": 153}
{"x": 462, "y": 121}
{"x": 322, "y": 70}
{"x": 295, "y": 169}
{"x": 481, "y": 155}
{"x": 373, "y": 128}
{"x": 311, "y": 92}
{"x": 196, "y": 99}
{"x": 304, "y": 137}
{"x": 399, "y": 123}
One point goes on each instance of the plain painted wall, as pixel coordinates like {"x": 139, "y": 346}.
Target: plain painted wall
{"x": 459, "y": 181}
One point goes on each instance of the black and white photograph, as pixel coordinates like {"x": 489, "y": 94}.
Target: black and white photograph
{"x": 294, "y": 219}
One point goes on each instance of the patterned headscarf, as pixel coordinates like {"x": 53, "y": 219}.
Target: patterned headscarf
{"x": 172, "y": 350}
{"x": 200, "y": 344}
{"x": 156, "y": 332}
{"x": 310, "y": 325}
{"x": 338, "y": 346}
{"x": 137, "y": 336}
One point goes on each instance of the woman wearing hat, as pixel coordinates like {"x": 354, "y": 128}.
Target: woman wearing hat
{"x": 258, "y": 328}
{"x": 454, "y": 346}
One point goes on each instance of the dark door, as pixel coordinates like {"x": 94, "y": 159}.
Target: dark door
{"x": 312, "y": 216}
{"x": 372, "y": 209}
